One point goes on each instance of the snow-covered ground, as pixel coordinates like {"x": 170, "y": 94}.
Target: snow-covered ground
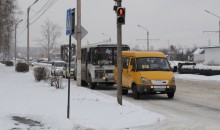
{"x": 27, "y": 104}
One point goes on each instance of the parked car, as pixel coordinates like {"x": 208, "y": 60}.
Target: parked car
{"x": 57, "y": 67}
{"x": 66, "y": 70}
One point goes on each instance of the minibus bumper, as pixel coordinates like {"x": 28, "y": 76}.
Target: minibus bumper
{"x": 155, "y": 89}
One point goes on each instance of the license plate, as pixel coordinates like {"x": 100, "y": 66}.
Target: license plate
{"x": 160, "y": 86}
{"x": 159, "y": 89}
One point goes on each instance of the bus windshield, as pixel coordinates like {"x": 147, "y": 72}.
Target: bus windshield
{"x": 152, "y": 64}
{"x": 105, "y": 55}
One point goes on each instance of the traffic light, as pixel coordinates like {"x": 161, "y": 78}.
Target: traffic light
{"x": 121, "y": 15}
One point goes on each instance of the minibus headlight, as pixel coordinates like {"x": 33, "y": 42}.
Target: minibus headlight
{"x": 144, "y": 80}
{"x": 172, "y": 80}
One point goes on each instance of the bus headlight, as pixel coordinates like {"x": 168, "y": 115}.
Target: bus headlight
{"x": 105, "y": 78}
{"x": 144, "y": 80}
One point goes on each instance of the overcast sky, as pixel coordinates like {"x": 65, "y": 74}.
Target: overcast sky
{"x": 177, "y": 22}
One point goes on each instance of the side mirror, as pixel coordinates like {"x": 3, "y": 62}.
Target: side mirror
{"x": 175, "y": 69}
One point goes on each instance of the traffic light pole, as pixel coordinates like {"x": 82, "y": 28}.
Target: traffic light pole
{"x": 119, "y": 60}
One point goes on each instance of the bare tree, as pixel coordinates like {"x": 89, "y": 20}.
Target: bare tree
{"x": 51, "y": 32}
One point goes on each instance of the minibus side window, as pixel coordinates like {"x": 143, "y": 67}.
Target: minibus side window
{"x": 125, "y": 63}
{"x": 133, "y": 63}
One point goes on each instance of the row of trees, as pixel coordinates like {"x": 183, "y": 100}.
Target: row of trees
{"x": 174, "y": 52}
{"x": 7, "y": 20}
{"x": 179, "y": 53}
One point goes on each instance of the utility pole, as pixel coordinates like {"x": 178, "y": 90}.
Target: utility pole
{"x": 219, "y": 32}
{"x": 16, "y": 24}
{"x": 28, "y": 11}
{"x": 219, "y": 23}
{"x": 148, "y": 41}
{"x": 78, "y": 33}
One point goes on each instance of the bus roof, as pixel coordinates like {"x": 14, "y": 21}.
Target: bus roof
{"x": 103, "y": 45}
{"x": 143, "y": 54}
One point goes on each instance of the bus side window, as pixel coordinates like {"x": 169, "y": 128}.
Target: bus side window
{"x": 83, "y": 55}
{"x": 89, "y": 56}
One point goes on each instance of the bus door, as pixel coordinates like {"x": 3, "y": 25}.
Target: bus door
{"x": 126, "y": 61}
{"x": 131, "y": 71}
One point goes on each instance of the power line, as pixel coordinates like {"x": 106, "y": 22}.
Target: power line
{"x": 49, "y": 6}
{"x": 42, "y": 8}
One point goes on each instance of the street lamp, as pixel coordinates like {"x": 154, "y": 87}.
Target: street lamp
{"x": 147, "y": 36}
{"x": 28, "y": 11}
{"x": 107, "y": 36}
{"x": 219, "y": 21}
{"x": 16, "y": 24}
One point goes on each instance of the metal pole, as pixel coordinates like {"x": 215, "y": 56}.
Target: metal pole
{"x": 28, "y": 10}
{"x": 78, "y": 33}
{"x": 15, "y": 44}
{"x": 70, "y": 57}
{"x": 119, "y": 60}
{"x": 219, "y": 32}
{"x": 148, "y": 41}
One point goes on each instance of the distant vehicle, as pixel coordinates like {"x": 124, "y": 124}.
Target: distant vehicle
{"x": 65, "y": 52}
{"x": 72, "y": 69}
{"x": 97, "y": 64}
{"x": 146, "y": 73}
{"x": 57, "y": 68}
{"x": 55, "y": 56}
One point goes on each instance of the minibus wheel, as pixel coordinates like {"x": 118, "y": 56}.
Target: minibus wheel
{"x": 135, "y": 93}
{"x": 170, "y": 94}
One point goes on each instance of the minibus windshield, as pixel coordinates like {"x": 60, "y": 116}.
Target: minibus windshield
{"x": 152, "y": 64}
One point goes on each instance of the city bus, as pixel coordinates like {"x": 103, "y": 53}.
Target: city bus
{"x": 97, "y": 64}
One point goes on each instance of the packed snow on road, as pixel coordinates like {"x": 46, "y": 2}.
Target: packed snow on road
{"x": 27, "y": 104}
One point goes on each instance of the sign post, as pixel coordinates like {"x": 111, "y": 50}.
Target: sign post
{"x": 70, "y": 21}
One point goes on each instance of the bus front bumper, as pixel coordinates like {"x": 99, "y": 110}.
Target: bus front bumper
{"x": 103, "y": 81}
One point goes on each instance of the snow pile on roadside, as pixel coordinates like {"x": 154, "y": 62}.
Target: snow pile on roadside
{"x": 22, "y": 97}
{"x": 197, "y": 77}
{"x": 204, "y": 67}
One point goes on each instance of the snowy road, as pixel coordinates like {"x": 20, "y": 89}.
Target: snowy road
{"x": 196, "y": 105}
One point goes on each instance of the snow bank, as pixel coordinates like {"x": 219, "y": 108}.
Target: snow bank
{"x": 21, "y": 96}
{"x": 204, "y": 67}
{"x": 197, "y": 77}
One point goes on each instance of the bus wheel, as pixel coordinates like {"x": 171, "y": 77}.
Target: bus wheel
{"x": 135, "y": 93}
{"x": 91, "y": 84}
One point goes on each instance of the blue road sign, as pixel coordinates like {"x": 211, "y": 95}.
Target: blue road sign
{"x": 69, "y": 22}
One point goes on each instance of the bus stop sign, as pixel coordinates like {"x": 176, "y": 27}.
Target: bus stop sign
{"x": 69, "y": 22}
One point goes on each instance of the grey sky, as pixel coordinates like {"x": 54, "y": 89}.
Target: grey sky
{"x": 178, "y": 22}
